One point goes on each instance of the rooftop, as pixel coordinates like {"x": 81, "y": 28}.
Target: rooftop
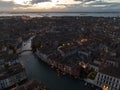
{"x": 11, "y": 70}
{"x": 112, "y": 71}
{"x": 32, "y": 85}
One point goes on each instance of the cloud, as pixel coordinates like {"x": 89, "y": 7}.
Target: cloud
{"x": 112, "y": 1}
{"x": 20, "y": 2}
{"x": 64, "y": 5}
{"x": 7, "y": 6}
{"x": 38, "y": 1}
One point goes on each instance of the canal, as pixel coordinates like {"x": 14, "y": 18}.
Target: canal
{"x": 40, "y": 71}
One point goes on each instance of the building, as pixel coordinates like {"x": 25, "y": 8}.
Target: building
{"x": 108, "y": 78}
{"x": 31, "y": 85}
{"x": 94, "y": 66}
{"x": 12, "y": 75}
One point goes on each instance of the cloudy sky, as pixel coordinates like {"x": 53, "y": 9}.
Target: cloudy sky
{"x": 60, "y": 5}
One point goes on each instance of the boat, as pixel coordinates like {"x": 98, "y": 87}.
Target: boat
{"x": 58, "y": 72}
{"x": 86, "y": 84}
{"x": 64, "y": 73}
{"x": 52, "y": 66}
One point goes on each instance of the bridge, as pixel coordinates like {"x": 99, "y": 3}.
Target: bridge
{"x": 24, "y": 51}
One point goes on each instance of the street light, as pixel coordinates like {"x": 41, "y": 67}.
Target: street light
{"x": 105, "y": 87}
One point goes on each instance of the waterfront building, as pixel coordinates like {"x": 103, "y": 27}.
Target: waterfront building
{"x": 31, "y": 85}
{"x": 108, "y": 79}
{"x": 94, "y": 66}
{"x": 12, "y": 75}
{"x": 68, "y": 50}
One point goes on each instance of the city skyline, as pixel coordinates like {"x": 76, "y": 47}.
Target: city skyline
{"x": 60, "y": 44}
{"x": 60, "y": 5}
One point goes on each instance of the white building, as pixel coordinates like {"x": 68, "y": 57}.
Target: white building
{"x": 42, "y": 56}
{"x": 94, "y": 66}
{"x": 9, "y": 79}
{"x": 108, "y": 81}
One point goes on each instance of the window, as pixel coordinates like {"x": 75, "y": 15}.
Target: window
{"x": 112, "y": 85}
{"x": 116, "y": 85}
{"x": 110, "y": 79}
{"x": 97, "y": 82}
{"x": 117, "y": 81}
{"x": 106, "y": 82}
{"x": 1, "y": 84}
{"x": 98, "y": 78}
{"x": 101, "y": 76}
{"x": 105, "y": 77}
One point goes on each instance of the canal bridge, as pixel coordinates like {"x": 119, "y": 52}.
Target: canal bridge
{"x": 25, "y": 51}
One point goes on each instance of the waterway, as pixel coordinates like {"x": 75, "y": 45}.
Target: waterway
{"x": 40, "y": 14}
{"x": 38, "y": 70}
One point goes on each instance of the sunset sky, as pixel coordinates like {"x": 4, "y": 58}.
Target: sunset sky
{"x": 60, "y": 5}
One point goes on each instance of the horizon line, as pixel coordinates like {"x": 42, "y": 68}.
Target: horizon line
{"x": 58, "y": 12}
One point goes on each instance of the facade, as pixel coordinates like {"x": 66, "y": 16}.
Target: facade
{"x": 9, "y": 79}
{"x": 42, "y": 56}
{"x": 66, "y": 51}
{"x": 94, "y": 66}
{"x": 114, "y": 63}
{"x": 31, "y": 85}
{"x": 107, "y": 82}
